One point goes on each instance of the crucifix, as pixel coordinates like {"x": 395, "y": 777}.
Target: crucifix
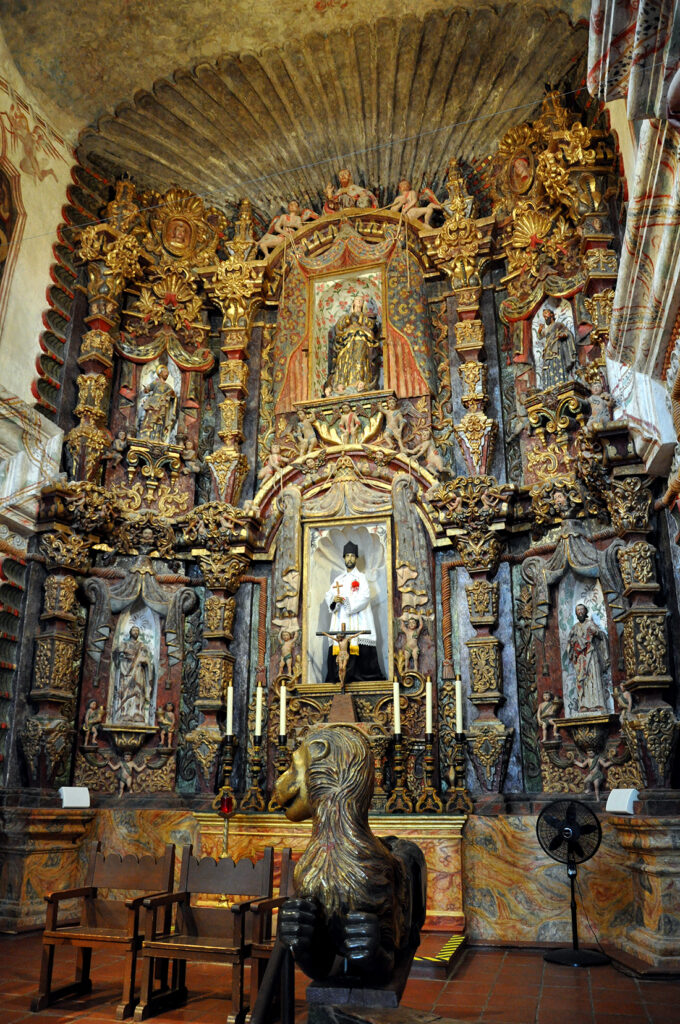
{"x": 342, "y": 638}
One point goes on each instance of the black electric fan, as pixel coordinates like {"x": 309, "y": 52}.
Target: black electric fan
{"x": 570, "y": 833}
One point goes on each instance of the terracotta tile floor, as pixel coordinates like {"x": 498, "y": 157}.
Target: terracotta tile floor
{"x": 488, "y": 987}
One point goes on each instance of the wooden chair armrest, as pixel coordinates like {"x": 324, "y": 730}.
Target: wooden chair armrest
{"x": 162, "y": 899}
{"x": 137, "y": 901}
{"x": 245, "y": 905}
{"x": 68, "y": 894}
{"x": 264, "y": 905}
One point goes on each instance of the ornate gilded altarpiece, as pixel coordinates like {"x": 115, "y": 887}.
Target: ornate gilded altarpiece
{"x": 424, "y": 382}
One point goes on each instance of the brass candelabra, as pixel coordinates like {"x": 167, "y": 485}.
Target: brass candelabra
{"x": 253, "y": 798}
{"x": 429, "y": 802}
{"x": 399, "y": 801}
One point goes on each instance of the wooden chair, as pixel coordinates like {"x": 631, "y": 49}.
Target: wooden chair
{"x": 205, "y": 934}
{"x": 104, "y": 922}
{"x": 262, "y": 945}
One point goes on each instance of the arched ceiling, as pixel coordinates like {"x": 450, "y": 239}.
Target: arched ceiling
{"x": 387, "y": 88}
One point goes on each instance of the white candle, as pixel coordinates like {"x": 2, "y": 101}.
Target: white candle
{"x": 230, "y": 710}
{"x": 459, "y": 705}
{"x": 428, "y": 706}
{"x": 258, "y": 711}
{"x": 397, "y": 712}
{"x": 282, "y": 710}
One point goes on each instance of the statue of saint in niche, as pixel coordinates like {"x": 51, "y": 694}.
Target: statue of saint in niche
{"x": 159, "y": 408}
{"x": 134, "y": 679}
{"x": 587, "y": 650}
{"x": 349, "y": 601}
{"x": 559, "y": 350}
{"x": 355, "y": 344}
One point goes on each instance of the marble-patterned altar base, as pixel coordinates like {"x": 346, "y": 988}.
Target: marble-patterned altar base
{"x": 440, "y": 839}
{"x": 486, "y": 875}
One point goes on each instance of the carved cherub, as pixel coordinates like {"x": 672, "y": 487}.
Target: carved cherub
{"x": 427, "y": 450}
{"x": 349, "y": 425}
{"x": 305, "y": 433}
{"x": 601, "y": 404}
{"x": 546, "y": 713}
{"x": 192, "y": 463}
{"x": 117, "y": 450}
{"x": 624, "y": 698}
{"x": 395, "y": 424}
{"x": 411, "y": 627}
{"x": 286, "y": 225}
{"x": 407, "y": 201}
{"x": 92, "y": 720}
{"x": 595, "y": 763}
{"x": 126, "y": 769}
{"x": 274, "y": 464}
{"x": 287, "y": 638}
{"x": 167, "y": 721}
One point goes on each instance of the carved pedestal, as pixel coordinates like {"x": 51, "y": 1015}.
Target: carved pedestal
{"x": 653, "y": 845}
{"x": 40, "y": 850}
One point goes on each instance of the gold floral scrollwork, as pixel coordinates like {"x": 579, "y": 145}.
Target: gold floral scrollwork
{"x": 66, "y": 550}
{"x": 223, "y": 571}
{"x": 234, "y": 374}
{"x": 213, "y": 676}
{"x": 60, "y": 595}
{"x": 485, "y": 669}
{"x": 49, "y": 738}
{"x": 602, "y": 263}
{"x": 219, "y": 616}
{"x": 482, "y": 599}
{"x": 600, "y": 307}
{"x": 474, "y": 378}
{"x": 54, "y": 666}
{"x": 170, "y": 296}
{"x": 489, "y": 743}
{"x": 230, "y": 469}
{"x": 644, "y": 647}
{"x": 629, "y": 501}
{"x": 96, "y": 345}
{"x": 636, "y": 562}
{"x": 556, "y": 500}
{"x": 469, "y": 336}
{"x": 544, "y": 462}
{"x": 651, "y": 736}
{"x": 234, "y": 284}
{"x": 476, "y": 436}
{"x": 205, "y": 744}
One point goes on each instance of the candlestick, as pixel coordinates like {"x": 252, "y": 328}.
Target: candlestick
{"x": 397, "y": 711}
{"x": 253, "y": 799}
{"x": 428, "y": 706}
{"x": 282, "y": 710}
{"x": 400, "y": 800}
{"x": 458, "y": 798}
{"x": 459, "y": 705}
{"x": 230, "y": 710}
{"x": 258, "y": 711}
{"x": 429, "y": 800}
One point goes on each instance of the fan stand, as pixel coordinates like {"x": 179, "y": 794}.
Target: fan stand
{"x": 575, "y": 957}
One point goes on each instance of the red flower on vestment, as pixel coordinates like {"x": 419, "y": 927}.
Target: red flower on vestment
{"x": 355, "y": 584}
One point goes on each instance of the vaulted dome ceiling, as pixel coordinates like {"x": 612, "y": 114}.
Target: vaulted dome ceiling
{"x": 388, "y": 97}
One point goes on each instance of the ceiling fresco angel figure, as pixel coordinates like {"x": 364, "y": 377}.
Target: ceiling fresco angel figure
{"x": 355, "y": 340}
{"x": 286, "y": 225}
{"x": 347, "y": 196}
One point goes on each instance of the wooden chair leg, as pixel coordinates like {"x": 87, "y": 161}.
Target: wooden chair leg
{"x": 237, "y": 1009}
{"x": 83, "y": 961}
{"x": 42, "y": 999}
{"x": 126, "y": 1007}
{"x": 145, "y": 986}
